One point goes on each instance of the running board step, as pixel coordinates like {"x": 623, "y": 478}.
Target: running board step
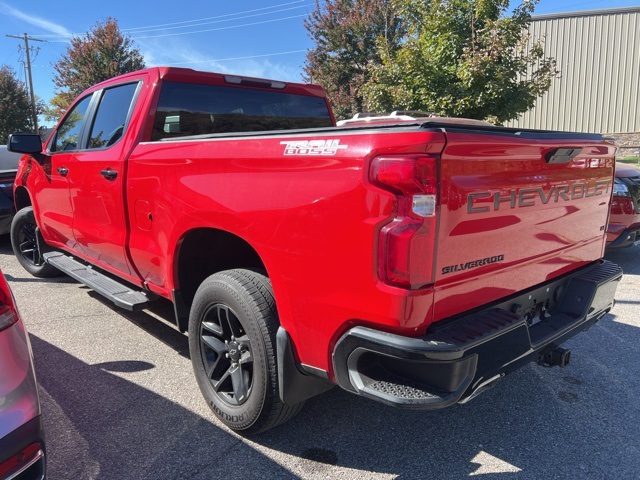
{"x": 120, "y": 294}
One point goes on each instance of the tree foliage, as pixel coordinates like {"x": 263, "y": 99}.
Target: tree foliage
{"x": 105, "y": 52}
{"x": 57, "y": 106}
{"x": 470, "y": 58}
{"x": 463, "y": 58}
{"x": 15, "y": 106}
{"x": 349, "y": 35}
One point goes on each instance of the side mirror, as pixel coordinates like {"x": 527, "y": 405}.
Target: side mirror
{"x": 25, "y": 143}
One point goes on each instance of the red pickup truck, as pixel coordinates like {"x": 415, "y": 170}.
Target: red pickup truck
{"x": 414, "y": 263}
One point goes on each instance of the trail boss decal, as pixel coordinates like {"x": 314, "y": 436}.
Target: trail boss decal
{"x": 313, "y": 147}
{"x": 528, "y": 197}
{"x": 473, "y": 264}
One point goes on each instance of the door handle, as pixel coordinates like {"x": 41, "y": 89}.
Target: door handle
{"x": 62, "y": 171}
{"x": 109, "y": 174}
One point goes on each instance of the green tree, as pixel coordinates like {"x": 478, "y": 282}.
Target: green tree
{"x": 349, "y": 36}
{"x": 103, "y": 53}
{"x": 465, "y": 58}
{"x": 15, "y": 106}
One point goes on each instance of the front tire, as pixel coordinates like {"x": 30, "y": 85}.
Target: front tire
{"x": 25, "y": 245}
{"x": 232, "y": 342}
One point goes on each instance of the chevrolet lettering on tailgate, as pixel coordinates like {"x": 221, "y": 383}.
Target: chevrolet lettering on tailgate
{"x": 528, "y": 197}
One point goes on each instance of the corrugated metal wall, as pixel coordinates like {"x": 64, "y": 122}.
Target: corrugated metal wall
{"x": 598, "y": 55}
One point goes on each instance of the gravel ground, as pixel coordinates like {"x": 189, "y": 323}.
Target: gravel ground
{"x": 120, "y": 402}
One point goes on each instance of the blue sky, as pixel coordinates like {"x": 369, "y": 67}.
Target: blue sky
{"x": 263, "y": 38}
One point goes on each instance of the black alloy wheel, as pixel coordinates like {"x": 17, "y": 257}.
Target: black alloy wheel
{"x": 226, "y": 354}
{"x": 24, "y": 242}
{"x": 28, "y": 245}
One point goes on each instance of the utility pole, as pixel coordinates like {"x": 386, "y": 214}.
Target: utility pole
{"x": 26, "y": 39}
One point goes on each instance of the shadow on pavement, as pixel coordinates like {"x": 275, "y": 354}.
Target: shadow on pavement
{"x": 157, "y": 321}
{"x": 100, "y": 426}
{"x": 30, "y": 279}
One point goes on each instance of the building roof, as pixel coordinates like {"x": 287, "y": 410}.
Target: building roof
{"x": 588, "y": 13}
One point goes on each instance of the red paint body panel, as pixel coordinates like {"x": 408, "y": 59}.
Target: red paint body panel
{"x": 53, "y": 204}
{"x": 538, "y": 241}
{"x": 314, "y": 220}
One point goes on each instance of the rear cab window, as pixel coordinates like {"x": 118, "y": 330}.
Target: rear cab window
{"x": 194, "y": 109}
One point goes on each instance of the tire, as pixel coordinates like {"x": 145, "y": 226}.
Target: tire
{"x": 232, "y": 343}
{"x": 25, "y": 246}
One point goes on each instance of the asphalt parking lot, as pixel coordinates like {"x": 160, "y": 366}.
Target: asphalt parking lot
{"x": 120, "y": 402}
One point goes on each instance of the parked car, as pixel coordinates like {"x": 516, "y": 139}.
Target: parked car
{"x": 22, "y": 446}
{"x": 8, "y": 169}
{"x": 624, "y": 221}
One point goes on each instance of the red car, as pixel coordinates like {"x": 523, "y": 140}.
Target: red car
{"x": 624, "y": 222}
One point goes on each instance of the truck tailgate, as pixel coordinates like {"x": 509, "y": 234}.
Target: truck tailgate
{"x": 517, "y": 209}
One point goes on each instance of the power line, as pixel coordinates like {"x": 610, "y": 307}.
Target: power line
{"x": 218, "y": 17}
{"x": 26, "y": 39}
{"x": 144, "y": 29}
{"x": 205, "y": 30}
{"x": 214, "y": 21}
{"x": 218, "y": 29}
{"x": 22, "y": 75}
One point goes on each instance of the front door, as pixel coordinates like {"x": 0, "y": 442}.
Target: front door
{"x": 55, "y": 213}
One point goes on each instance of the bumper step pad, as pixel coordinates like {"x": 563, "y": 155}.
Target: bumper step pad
{"x": 457, "y": 359}
{"x": 120, "y": 294}
{"x": 399, "y": 387}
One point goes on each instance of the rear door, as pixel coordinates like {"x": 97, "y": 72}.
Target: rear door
{"x": 517, "y": 209}
{"x": 97, "y": 179}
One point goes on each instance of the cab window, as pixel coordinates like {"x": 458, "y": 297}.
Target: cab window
{"x": 68, "y": 133}
{"x": 194, "y": 109}
{"x": 111, "y": 117}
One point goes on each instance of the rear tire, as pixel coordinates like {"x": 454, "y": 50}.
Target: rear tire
{"x": 232, "y": 342}
{"x": 25, "y": 246}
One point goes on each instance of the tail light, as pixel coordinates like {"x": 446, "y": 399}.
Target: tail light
{"x": 622, "y": 201}
{"x": 8, "y": 314}
{"x": 28, "y": 463}
{"x": 406, "y": 244}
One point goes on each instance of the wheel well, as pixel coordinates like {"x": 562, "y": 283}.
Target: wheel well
{"x": 204, "y": 252}
{"x": 21, "y": 198}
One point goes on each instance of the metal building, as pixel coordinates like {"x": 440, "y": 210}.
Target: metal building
{"x": 598, "y": 55}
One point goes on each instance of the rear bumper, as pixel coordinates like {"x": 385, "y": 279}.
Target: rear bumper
{"x": 458, "y": 359}
{"x": 22, "y": 452}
